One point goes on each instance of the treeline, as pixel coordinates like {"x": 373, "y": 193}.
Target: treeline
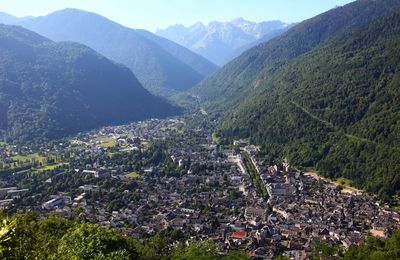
{"x": 26, "y": 236}
{"x": 375, "y": 248}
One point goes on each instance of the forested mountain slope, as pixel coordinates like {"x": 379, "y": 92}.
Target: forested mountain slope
{"x": 227, "y": 87}
{"x": 336, "y": 107}
{"x": 162, "y": 66}
{"x": 49, "y": 90}
{"x": 267, "y": 37}
{"x": 196, "y": 62}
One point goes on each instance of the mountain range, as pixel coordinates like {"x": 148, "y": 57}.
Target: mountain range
{"x": 220, "y": 42}
{"x": 325, "y": 94}
{"x": 162, "y": 66}
{"x": 322, "y": 94}
{"x": 49, "y": 90}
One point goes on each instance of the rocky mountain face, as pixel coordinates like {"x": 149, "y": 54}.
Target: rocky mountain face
{"x": 219, "y": 42}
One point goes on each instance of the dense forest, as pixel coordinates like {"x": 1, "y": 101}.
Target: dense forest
{"x": 49, "y": 90}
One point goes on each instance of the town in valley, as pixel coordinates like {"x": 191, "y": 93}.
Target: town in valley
{"x": 174, "y": 176}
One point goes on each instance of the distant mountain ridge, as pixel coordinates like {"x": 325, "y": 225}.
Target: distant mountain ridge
{"x": 50, "y": 90}
{"x": 8, "y": 19}
{"x": 219, "y": 41}
{"x": 162, "y": 66}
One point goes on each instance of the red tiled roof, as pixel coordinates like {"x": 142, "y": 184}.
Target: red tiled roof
{"x": 239, "y": 234}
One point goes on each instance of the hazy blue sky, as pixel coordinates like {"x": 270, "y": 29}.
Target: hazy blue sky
{"x": 153, "y": 14}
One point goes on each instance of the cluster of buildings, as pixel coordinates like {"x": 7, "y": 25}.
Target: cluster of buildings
{"x": 307, "y": 208}
{"x": 212, "y": 195}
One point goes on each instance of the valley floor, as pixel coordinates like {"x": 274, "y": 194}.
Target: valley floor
{"x": 170, "y": 175}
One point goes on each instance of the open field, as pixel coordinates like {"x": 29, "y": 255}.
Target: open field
{"x": 343, "y": 181}
{"x": 29, "y": 157}
{"x": 134, "y": 175}
{"x": 52, "y": 167}
{"x": 106, "y": 142}
{"x": 346, "y": 188}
